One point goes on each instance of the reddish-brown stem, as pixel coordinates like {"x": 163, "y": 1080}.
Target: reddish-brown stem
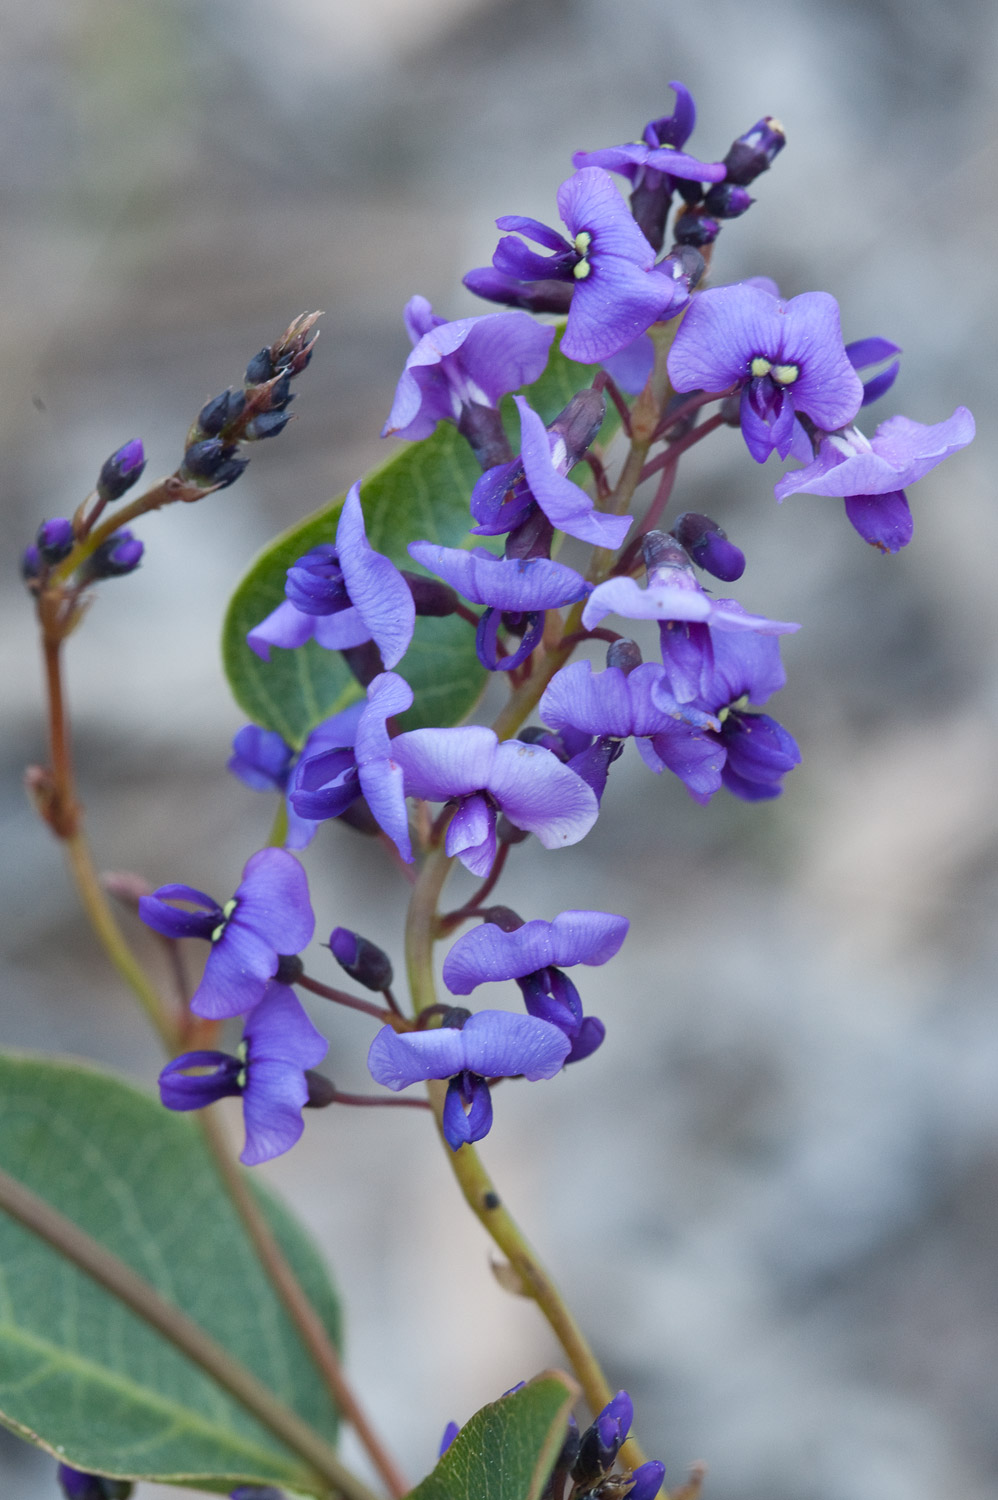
{"x": 599, "y": 474}
{"x": 598, "y": 633}
{"x": 339, "y": 997}
{"x": 371, "y": 1101}
{"x": 452, "y": 919}
{"x": 694, "y": 403}
{"x": 466, "y": 614}
{"x": 671, "y": 455}
{"x": 605, "y": 382}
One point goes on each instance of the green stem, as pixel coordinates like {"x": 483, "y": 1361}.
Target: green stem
{"x": 75, "y": 1245}
{"x": 474, "y": 1182}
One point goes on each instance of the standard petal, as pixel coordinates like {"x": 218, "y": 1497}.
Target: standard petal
{"x": 376, "y": 587}
{"x": 612, "y": 307}
{"x": 624, "y": 596}
{"x": 505, "y": 351}
{"x": 239, "y": 966}
{"x": 398, "y": 1059}
{"x": 574, "y": 937}
{"x": 341, "y": 631}
{"x": 598, "y": 703}
{"x": 502, "y": 1044}
{"x": 828, "y": 388}
{"x": 272, "y": 899}
{"x": 272, "y": 1104}
{"x": 590, "y": 202}
{"x": 566, "y": 506}
{"x": 507, "y": 583}
{"x": 388, "y": 695}
{"x": 722, "y": 331}
{"x": 537, "y": 792}
{"x": 442, "y": 763}
{"x": 383, "y": 786}
{"x": 278, "y": 1028}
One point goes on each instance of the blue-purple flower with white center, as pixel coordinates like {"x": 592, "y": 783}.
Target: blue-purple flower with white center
{"x": 689, "y": 617}
{"x": 502, "y": 498}
{"x": 652, "y": 164}
{"x": 263, "y": 760}
{"x": 871, "y": 474}
{"x": 535, "y": 955}
{"x": 749, "y": 753}
{"x": 521, "y": 587}
{"x": 527, "y": 783}
{"x": 342, "y": 596}
{"x": 470, "y": 362}
{"x": 268, "y": 918}
{"x": 490, "y": 1044}
{"x": 324, "y": 784}
{"x": 786, "y": 357}
{"x": 617, "y": 294}
{"x": 279, "y": 1043}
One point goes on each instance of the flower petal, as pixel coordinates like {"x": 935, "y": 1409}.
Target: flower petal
{"x": 272, "y": 900}
{"x": 502, "y": 1044}
{"x": 488, "y": 953}
{"x": 376, "y": 587}
{"x": 398, "y": 1059}
{"x": 537, "y": 792}
{"x": 442, "y": 763}
{"x": 279, "y": 1029}
{"x": 566, "y": 506}
{"x": 285, "y": 626}
{"x": 507, "y": 583}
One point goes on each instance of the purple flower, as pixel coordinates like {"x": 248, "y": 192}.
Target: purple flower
{"x": 787, "y": 357}
{"x": 863, "y": 353}
{"x": 325, "y": 783}
{"x": 608, "y": 261}
{"x": 871, "y": 474}
{"x": 120, "y": 471}
{"x": 471, "y": 362}
{"x": 341, "y": 597}
{"x": 749, "y": 753}
{"x": 689, "y": 617}
{"x": 279, "y": 1043}
{"x": 491, "y": 1044}
{"x": 264, "y": 761}
{"x": 545, "y": 458}
{"x": 526, "y": 782}
{"x": 506, "y": 583}
{"x": 652, "y": 164}
{"x": 616, "y": 703}
{"x": 268, "y": 917}
{"x": 535, "y": 956}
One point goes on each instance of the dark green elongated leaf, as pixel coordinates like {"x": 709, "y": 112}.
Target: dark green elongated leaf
{"x": 508, "y": 1449}
{"x": 421, "y": 491}
{"x": 85, "y": 1378}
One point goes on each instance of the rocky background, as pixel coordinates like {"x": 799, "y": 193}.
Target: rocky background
{"x": 772, "y": 1196}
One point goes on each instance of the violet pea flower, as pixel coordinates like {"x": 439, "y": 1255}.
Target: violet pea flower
{"x": 470, "y": 362}
{"x": 279, "y": 1044}
{"x": 786, "y": 357}
{"x": 263, "y": 760}
{"x": 491, "y": 1044}
{"x": 324, "y": 784}
{"x": 607, "y": 260}
{"x": 871, "y": 474}
{"x": 535, "y": 955}
{"x": 268, "y": 918}
{"x": 342, "y": 596}
{"x": 526, "y": 782}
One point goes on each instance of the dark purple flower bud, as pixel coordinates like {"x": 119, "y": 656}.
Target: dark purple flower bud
{"x": 429, "y": 596}
{"x": 280, "y": 393}
{"x": 120, "y": 554}
{"x": 754, "y": 152}
{"x": 213, "y": 462}
{"x": 260, "y": 368}
{"x": 760, "y": 753}
{"x": 121, "y": 471}
{"x": 315, "y": 583}
{"x": 532, "y": 296}
{"x": 289, "y": 969}
{"x": 481, "y": 427}
{"x": 601, "y": 1442}
{"x": 503, "y": 917}
{"x": 268, "y": 424}
{"x": 709, "y": 547}
{"x": 55, "y": 539}
{"x": 450, "y": 1433}
{"x": 555, "y": 1486}
{"x": 78, "y": 1485}
{"x": 647, "y": 1479}
{"x": 727, "y": 200}
{"x": 31, "y": 563}
{"x": 321, "y": 1090}
{"x": 362, "y": 959}
{"x": 220, "y": 411}
{"x": 624, "y": 654}
{"x": 695, "y": 229}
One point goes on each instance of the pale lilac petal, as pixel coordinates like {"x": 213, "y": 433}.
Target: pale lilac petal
{"x": 398, "y": 1059}
{"x": 488, "y": 953}
{"x": 285, "y": 626}
{"x": 336, "y": 732}
{"x": 624, "y": 596}
{"x": 501, "y": 1044}
{"x": 341, "y": 631}
{"x": 471, "y": 835}
{"x": 272, "y": 898}
{"x": 505, "y": 351}
{"x": 506, "y": 583}
{"x": 376, "y": 587}
{"x": 899, "y": 453}
{"x": 387, "y": 695}
{"x": 442, "y": 763}
{"x": 566, "y": 506}
{"x": 384, "y": 792}
{"x": 537, "y": 792}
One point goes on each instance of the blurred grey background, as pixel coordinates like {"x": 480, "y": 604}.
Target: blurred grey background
{"x": 773, "y": 1195}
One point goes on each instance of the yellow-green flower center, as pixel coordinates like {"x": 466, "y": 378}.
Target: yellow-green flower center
{"x": 582, "y": 242}
{"x": 781, "y": 374}
{"x": 227, "y": 911}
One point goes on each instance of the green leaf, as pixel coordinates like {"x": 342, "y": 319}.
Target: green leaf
{"x": 421, "y": 491}
{"x": 85, "y": 1378}
{"x": 508, "y": 1449}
